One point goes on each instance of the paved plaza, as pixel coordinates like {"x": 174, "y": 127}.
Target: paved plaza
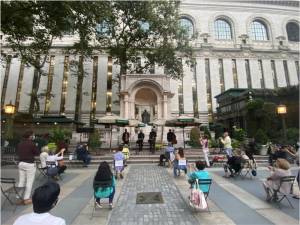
{"x": 231, "y": 201}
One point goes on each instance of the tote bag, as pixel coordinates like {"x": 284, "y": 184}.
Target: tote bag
{"x": 197, "y": 198}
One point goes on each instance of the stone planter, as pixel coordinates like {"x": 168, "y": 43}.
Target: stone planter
{"x": 263, "y": 150}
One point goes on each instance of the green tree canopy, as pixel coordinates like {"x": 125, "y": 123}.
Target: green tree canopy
{"x": 148, "y": 29}
{"x": 30, "y": 28}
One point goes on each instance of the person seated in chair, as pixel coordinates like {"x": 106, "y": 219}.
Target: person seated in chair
{"x": 281, "y": 169}
{"x": 234, "y": 164}
{"x": 83, "y": 154}
{"x": 43, "y": 156}
{"x": 107, "y": 183}
{"x": 126, "y": 153}
{"x": 55, "y": 158}
{"x": 179, "y": 156}
{"x": 44, "y": 199}
{"x": 119, "y": 156}
{"x": 167, "y": 155}
{"x": 198, "y": 173}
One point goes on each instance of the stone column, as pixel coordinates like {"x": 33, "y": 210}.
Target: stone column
{"x": 165, "y": 102}
{"x": 126, "y": 106}
{"x": 159, "y": 109}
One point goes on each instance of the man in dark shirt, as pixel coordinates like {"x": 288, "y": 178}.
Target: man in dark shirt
{"x": 26, "y": 150}
{"x": 170, "y": 136}
{"x": 140, "y": 141}
{"x": 152, "y": 139}
{"x": 125, "y": 137}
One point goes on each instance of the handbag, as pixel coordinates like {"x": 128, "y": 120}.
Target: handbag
{"x": 197, "y": 198}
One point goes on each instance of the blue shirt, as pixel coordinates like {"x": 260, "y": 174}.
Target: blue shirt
{"x": 169, "y": 149}
{"x": 200, "y": 174}
{"x": 119, "y": 156}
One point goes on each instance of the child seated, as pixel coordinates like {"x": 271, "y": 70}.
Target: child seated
{"x": 126, "y": 153}
{"x": 177, "y": 166}
{"x": 119, "y": 162}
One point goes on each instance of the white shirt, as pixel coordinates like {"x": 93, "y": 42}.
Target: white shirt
{"x": 39, "y": 219}
{"x": 43, "y": 158}
{"x": 54, "y": 158}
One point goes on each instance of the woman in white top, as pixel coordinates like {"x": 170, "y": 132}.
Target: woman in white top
{"x": 57, "y": 157}
{"x": 204, "y": 143}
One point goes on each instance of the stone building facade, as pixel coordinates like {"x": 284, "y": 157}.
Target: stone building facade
{"x": 239, "y": 44}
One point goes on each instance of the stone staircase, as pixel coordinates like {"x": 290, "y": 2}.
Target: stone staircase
{"x": 146, "y": 157}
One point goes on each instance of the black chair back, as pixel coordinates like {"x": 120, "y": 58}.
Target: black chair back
{"x": 205, "y": 182}
{"x": 102, "y": 184}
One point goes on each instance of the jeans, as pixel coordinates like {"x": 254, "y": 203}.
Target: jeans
{"x": 228, "y": 152}
{"x": 177, "y": 167}
{"x": 86, "y": 159}
{"x": 110, "y": 197}
{"x": 206, "y": 153}
{"x": 26, "y": 177}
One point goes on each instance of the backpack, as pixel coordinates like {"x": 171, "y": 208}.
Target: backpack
{"x": 197, "y": 198}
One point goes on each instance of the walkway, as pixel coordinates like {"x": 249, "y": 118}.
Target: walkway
{"x": 231, "y": 201}
{"x": 150, "y": 178}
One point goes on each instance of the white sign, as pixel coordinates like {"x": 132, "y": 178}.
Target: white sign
{"x": 119, "y": 163}
{"x": 181, "y": 162}
{"x": 71, "y": 157}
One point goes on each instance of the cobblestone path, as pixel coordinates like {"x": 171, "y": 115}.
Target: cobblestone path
{"x": 150, "y": 178}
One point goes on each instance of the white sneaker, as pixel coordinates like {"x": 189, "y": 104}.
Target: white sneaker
{"x": 98, "y": 204}
{"x": 110, "y": 206}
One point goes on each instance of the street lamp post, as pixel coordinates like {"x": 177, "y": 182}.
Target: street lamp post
{"x": 9, "y": 109}
{"x": 281, "y": 110}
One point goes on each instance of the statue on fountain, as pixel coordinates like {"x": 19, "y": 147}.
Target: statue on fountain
{"x": 145, "y": 117}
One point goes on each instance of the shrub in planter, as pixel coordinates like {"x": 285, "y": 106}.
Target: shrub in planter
{"x": 94, "y": 140}
{"x": 292, "y": 135}
{"x": 235, "y": 143}
{"x": 194, "y": 137}
{"x": 239, "y": 134}
{"x": 213, "y": 143}
{"x": 59, "y": 134}
{"x": 261, "y": 137}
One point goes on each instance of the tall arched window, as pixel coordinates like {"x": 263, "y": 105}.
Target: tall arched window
{"x": 259, "y": 31}
{"x": 222, "y": 30}
{"x": 292, "y": 30}
{"x": 187, "y": 24}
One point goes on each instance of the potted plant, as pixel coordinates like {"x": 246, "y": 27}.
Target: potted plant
{"x": 261, "y": 138}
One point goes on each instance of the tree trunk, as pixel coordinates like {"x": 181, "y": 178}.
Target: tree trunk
{"x": 77, "y": 116}
{"x": 34, "y": 101}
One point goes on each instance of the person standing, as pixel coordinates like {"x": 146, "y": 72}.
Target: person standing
{"x": 26, "y": 151}
{"x": 226, "y": 141}
{"x": 204, "y": 143}
{"x": 125, "y": 137}
{"x": 174, "y": 140}
{"x": 170, "y": 136}
{"x": 141, "y": 137}
{"x": 152, "y": 139}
